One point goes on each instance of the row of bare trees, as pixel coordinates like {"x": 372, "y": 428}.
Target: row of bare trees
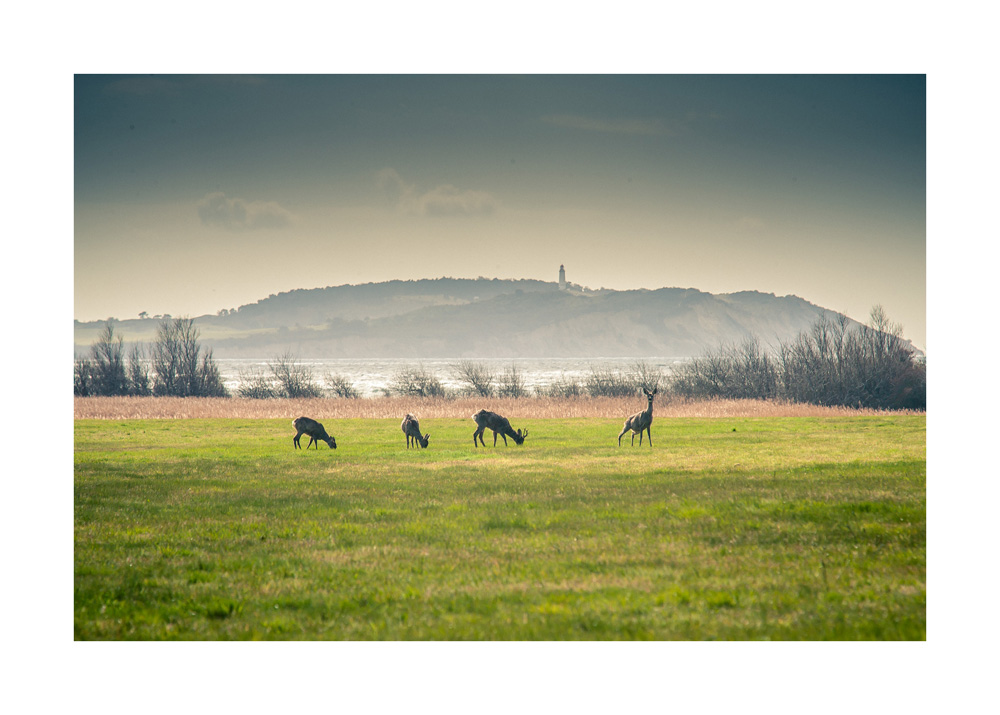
{"x": 831, "y": 364}
{"x": 834, "y": 363}
{"x": 285, "y": 377}
{"x": 177, "y": 365}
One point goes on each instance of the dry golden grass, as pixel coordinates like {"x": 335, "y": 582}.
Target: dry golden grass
{"x": 123, "y": 408}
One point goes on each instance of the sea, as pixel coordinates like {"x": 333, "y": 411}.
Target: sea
{"x": 372, "y": 376}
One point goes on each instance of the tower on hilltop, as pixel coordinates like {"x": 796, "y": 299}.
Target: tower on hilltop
{"x": 562, "y": 277}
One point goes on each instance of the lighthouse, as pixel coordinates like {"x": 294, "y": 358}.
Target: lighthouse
{"x": 562, "y": 277}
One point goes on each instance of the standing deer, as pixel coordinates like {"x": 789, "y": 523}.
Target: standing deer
{"x": 498, "y": 425}
{"x": 411, "y": 428}
{"x": 316, "y": 433}
{"x": 640, "y": 421}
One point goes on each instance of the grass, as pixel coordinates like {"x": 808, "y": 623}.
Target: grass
{"x": 728, "y": 528}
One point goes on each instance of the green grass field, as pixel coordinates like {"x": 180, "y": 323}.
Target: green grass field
{"x": 742, "y": 528}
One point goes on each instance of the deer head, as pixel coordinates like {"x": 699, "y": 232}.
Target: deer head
{"x": 425, "y": 440}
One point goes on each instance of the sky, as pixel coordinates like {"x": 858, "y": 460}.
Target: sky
{"x": 196, "y": 193}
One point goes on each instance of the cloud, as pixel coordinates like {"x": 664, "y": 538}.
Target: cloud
{"x": 218, "y": 211}
{"x": 443, "y": 200}
{"x": 643, "y": 127}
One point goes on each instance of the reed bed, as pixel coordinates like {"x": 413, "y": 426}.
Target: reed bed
{"x": 128, "y": 408}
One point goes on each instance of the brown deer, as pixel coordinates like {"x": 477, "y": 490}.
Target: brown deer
{"x": 411, "y": 428}
{"x": 640, "y": 421}
{"x": 498, "y": 425}
{"x": 316, "y": 433}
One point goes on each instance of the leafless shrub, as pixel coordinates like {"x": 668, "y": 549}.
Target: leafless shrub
{"x": 340, "y": 386}
{"x": 210, "y": 381}
{"x": 645, "y": 376}
{"x": 608, "y": 382}
{"x": 563, "y": 387}
{"x": 735, "y": 372}
{"x": 415, "y": 382}
{"x": 831, "y": 364}
{"x": 139, "y": 382}
{"x": 477, "y": 376}
{"x": 292, "y": 379}
{"x": 510, "y": 383}
{"x": 255, "y": 385}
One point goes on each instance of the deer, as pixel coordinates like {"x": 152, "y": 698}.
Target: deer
{"x": 411, "y": 428}
{"x": 640, "y": 421}
{"x": 316, "y": 433}
{"x": 498, "y": 425}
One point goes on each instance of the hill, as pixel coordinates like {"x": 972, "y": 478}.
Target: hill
{"x": 449, "y": 317}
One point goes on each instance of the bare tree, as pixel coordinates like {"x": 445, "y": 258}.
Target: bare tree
{"x": 645, "y": 376}
{"x": 179, "y": 367}
{"x": 255, "y": 385}
{"x": 209, "y": 378}
{"x": 83, "y": 377}
{"x": 108, "y": 358}
{"x": 606, "y": 382}
{"x": 563, "y": 387}
{"x": 415, "y": 382}
{"x": 139, "y": 382}
{"x": 832, "y": 363}
{"x": 340, "y": 386}
{"x": 294, "y": 379}
{"x": 166, "y": 360}
{"x": 478, "y": 376}
{"x": 511, "y": 382}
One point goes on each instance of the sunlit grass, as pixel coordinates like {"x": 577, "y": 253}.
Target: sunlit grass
{"x": 734, "y": 528}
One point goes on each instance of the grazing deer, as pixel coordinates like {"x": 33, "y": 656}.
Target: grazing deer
{"x": 411, "y": 428}
{"x": 498, "y": 425}
{"x": 640, "y": 421}
{"x": 316, "y": 433}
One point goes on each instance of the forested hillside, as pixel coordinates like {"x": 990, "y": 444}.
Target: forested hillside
{"x": 449, "y": 317}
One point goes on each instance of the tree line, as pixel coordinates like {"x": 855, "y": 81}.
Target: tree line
{"x": 176, "y": 365}
{"x": 833, "y": 363}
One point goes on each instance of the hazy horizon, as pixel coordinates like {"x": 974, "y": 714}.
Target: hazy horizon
{"x": 200, "y": 193}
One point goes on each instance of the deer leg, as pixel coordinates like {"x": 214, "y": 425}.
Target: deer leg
{"x": 640, "y": 437}
{"x": 633, "y": 439}
{"x": 295, "y": 441}
{"x": 504, "y": 439}
{"x": 650, "y": 436}
{"x": 495, "y": 439}
{"x": 312, "y": 441}
{"x": 478, "y": 434}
